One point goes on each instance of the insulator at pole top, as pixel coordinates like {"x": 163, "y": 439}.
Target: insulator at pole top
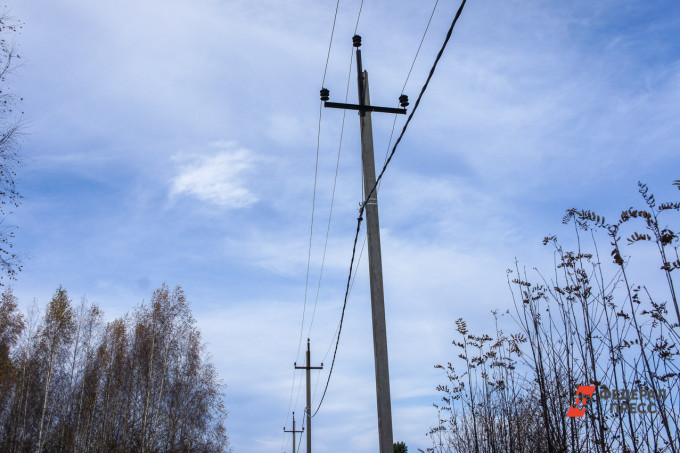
{"x": 325, "y": 94}
{"x": 403, "y": 100}
{"x": 356, "y": 41}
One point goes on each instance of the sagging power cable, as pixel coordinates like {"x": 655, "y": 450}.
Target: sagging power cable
{"x": 378, "y": 179}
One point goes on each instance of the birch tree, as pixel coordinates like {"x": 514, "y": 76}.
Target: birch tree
{"x": 58, "y": 330}
{"x": 11, "y": 326}
{"x": 141, "y": 382}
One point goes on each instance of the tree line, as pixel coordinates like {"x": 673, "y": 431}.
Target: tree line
{"x": 72, "y": 382}
{"x": 585, "y": 322}
{"x": 11, "y": 130}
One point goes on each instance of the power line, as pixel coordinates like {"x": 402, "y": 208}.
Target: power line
{"x": 309, "y": 257}
{"x": 377, "y": 181}
{"x": 297, "y": 398}
{"x": 330, "y": 215}
{"x": 311, "y": 228}
{"x": 356, "y": 26}
{"x": 328, "y": 55}
{"x": 299, "y": 444}
{"x": 420, "y": 45}
{"x": 408, "y": 76}
{"x": 434, "y": 8}
{"x": 290, "y": 400}
{"x": 330, "y": 346}
{"x": 316, "y": 171}
{"x": 344, "y": 305}
{"x": 415, "y": 106}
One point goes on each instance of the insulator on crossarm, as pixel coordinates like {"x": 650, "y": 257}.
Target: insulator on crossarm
{"x": 356, "y": 41}
{"x": 324, "y": 94}
{"x": 403, "y": 100}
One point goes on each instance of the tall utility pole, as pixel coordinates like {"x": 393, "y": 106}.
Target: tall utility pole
{"x": 308, "y": 410}
{"x": 382, "y": 372}
{"x": 294, "y": 431}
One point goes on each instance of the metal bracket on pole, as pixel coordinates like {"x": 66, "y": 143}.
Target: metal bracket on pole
{"x": 362, "y": 107}
{"x": 382, "y": 376}
{"x": 294, "y": 431}
{"x": 308, "y": 409}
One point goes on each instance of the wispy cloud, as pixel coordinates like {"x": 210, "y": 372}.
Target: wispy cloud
{"x": 217, "y": 178}
{"x": 533, "y": 109}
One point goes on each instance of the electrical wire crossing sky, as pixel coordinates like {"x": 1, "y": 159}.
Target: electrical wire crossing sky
{"x": 186, "y": 143}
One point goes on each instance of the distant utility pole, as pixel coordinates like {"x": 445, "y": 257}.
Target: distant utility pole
{"x": 382, "y": 372}
{"x": 293, "y": 431}
{"x": 308, "y": 410}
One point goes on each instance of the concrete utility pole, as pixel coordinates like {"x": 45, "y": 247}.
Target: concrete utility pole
{"x": 308, "y": 410}
{"x": 382, "y": 373}
{"x": 293, "y": 431}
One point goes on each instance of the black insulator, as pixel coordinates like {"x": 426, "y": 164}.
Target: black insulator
{"x": 356, "y": 41}
{"x": 403, "y": 100}
{"x": 324, "y": 94}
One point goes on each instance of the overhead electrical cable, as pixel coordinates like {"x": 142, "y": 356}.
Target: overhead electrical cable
{"x": 323, "y": 260}
{"x": 356, "y": 26}
{"x": 290, "y": 401}
{"x": 311, "y": 228}
{"x": 337, "y": 165}
{"x": 316, "y": 171}
{"x": 335, "y": 182}
{"x": 434, "y": 8}
{"x": 330, "y": 215}
{"x": 408, "y": 76}
{"x": 342, "y": 315}
{"x": 330, "y": 346}
{"x": 328, "y": 55}
{"x": 420, "y": 45}
{"x": 297, "y": 398}
{"x": 299, "y": 443}
{"x": 377, "y": 181}
{"x": 415, "y": 106}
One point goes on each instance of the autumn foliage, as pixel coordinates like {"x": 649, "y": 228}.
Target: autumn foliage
{"x": 69, "y": 381}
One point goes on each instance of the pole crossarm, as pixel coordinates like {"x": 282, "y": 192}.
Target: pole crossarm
{"x": 309, "y": 367}
{"x": 364, "y": 108}
{"x": 294, "y": 431}
{"x": 363, "y": 105}
{"x": 382, "y": 375}
{"x": 308, "y": 409}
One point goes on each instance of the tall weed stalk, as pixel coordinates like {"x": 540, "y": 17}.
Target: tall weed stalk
{"x": 586, "y": 323}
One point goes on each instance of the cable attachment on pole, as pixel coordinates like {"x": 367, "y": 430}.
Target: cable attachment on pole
{"x": 325, "y": 93}
{"x": 403, "y": 100}
{"x": 356, "y": 41}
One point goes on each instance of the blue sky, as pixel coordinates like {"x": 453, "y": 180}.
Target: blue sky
{"x": 171, "y": 141}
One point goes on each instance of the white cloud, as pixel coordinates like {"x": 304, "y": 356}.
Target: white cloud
{"x": 217, "y": 178}
{"x": 552, "y": 106}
